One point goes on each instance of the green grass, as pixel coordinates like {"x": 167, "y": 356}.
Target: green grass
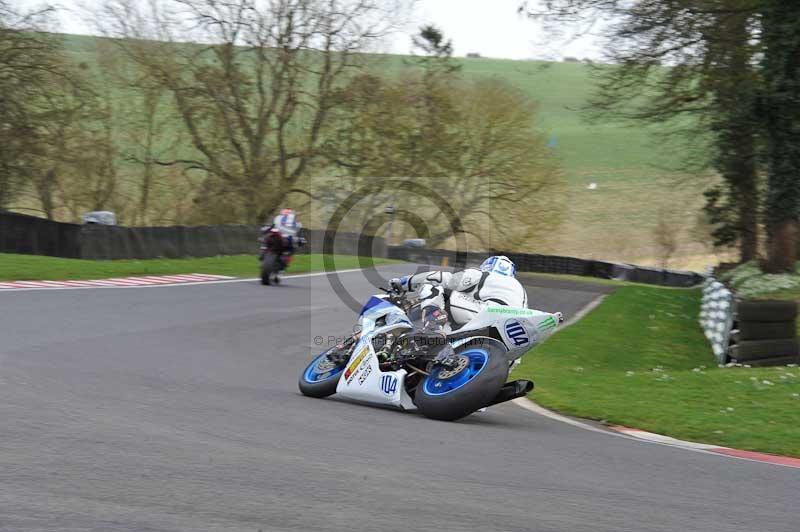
{"x": 33, "y": 267}
{"x": 584, "y": 279}
{"x": 640, "y": 360}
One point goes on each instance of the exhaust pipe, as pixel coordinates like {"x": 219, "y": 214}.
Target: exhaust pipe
{"x": 512, "y": 390}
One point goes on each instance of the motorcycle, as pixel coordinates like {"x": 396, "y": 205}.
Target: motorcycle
{"x": 390, "y": 361}
{"x": 275, "y": 255}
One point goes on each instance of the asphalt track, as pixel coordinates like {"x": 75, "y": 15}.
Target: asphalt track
{"x": 156, "y": 409}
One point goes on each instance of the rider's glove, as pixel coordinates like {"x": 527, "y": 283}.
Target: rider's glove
{"x": 400, "y": 284}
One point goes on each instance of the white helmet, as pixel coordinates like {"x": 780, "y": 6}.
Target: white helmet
{"x": 499, "y": 264}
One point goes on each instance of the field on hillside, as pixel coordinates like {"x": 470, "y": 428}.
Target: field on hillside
{"x": 616, "y": 186}
{"x": 615, "y": 218}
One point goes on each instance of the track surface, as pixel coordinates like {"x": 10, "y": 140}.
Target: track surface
{"x": 177, "y": 409}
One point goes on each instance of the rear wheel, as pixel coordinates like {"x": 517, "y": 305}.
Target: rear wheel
{"x": 448, "y": 394}
{"x": 321, "y": 377}
{"x": 269, "y": 266}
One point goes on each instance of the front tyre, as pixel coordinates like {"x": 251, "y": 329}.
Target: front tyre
{"x": 321, "y": 377}
{"x": 450, "y": 394}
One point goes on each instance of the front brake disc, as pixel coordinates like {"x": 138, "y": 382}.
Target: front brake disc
{"x": 461, "y": 364}
{"x": 326, "y": 365}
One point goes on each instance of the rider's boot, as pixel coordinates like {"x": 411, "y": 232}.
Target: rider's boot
{"x": 433, "y": 322}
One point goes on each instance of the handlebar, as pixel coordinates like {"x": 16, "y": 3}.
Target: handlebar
{"x": 397, "y": 298}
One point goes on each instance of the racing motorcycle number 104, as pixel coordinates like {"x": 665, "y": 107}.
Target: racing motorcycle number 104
{"x": 391, "y": 362}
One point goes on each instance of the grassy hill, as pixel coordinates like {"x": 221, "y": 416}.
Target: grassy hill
{"x": 613, "y": 220}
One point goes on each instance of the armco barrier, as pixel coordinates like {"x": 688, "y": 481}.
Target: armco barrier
{"x": 531, "y": 262}
{"x": 27, "y": 234}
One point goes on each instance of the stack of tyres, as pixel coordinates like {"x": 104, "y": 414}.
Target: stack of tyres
{"x": 765, "y": 333}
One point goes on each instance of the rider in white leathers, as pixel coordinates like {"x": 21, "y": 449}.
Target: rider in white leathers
{"x": 456, "y": 298}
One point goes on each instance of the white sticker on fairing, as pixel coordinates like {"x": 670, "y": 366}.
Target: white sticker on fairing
{"x": 388, "y": 384}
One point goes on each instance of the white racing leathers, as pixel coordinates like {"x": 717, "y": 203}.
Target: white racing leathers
{"x": 287, "y": 224}
{"x": 464, "y": 294}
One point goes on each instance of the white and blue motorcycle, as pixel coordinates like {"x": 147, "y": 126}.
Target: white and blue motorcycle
{"x": 391, "y": 362}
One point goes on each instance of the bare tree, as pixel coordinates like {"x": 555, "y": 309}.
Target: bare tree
{"x": 255, "y": 97}
{"x": 666, "y": 235}
{"x": 75, "y": 164}
{"x": 474, "y": 143}
{"x": 147, "y": 130}
{"x": 28, "y": 64}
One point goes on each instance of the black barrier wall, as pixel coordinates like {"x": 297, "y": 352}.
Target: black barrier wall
{"x": 105, "y": 242}
{"x": 31, "y": 235}
{"x": 531, "y": 262}
{"x": 27, "y": 234}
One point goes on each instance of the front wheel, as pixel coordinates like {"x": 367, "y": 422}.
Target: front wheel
{"x": 448, "y": 394}
{"x": 321, "y": 377}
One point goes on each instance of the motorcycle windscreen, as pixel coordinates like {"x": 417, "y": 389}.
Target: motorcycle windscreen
{"x": 374, "y": 305}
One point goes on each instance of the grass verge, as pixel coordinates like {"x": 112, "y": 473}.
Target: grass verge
{"x": 640, "y": 360}
{"x": 33, "y": 267}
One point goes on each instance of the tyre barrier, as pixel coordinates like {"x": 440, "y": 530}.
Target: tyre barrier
{"x": 765, "y": 333}
{"x": 766, "y": 311}
{"x": 763, "y": 330}
{"x": 751, "y": 351}
{"x": 752, "y": 332}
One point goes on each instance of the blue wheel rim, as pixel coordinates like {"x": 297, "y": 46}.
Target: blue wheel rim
{"x": 434, "y": 385}
{"x": 314, "y": 374}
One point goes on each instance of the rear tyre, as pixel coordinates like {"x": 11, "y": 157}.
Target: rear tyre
{"x": 268, "y": 267}
{"x": 766, "y": 330}
{"x": 448, "y": 395}
{"x": 766, "y": 310}
{"x": 321, "y": 377}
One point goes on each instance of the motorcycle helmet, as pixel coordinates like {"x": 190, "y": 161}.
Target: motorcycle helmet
{"x": 499, "y": 264}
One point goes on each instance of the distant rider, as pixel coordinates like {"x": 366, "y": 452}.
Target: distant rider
{"x": 289, "y": 227}
{"x": 456, "y": 298}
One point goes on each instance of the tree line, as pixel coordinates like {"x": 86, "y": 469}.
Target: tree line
{"x": 725, "y": 76}
{"x": 200, "y": 111}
